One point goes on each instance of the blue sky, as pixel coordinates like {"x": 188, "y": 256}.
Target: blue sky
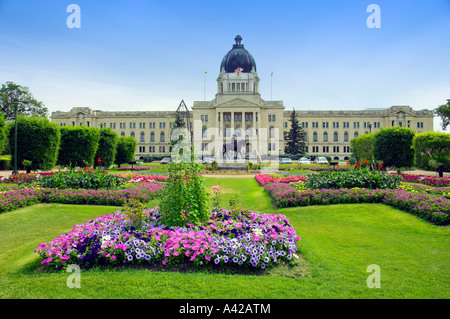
{"x": 149, "y": 55}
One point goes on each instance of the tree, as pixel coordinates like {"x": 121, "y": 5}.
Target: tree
{"x": 78, "y": 146}
{"x": 126, "y": 147}
{"x": 443, "y": 111}
{"x": 38, "y": 141}
{"x": 393, "y": 147}
{"x": 432, "y": 151}
{"x": 11, "y": 93}
{"x": 107, "y": 147}
{"x": 295, "y": 140}
{"x": 2, "y": 132}
{"x": 362, "y": 147}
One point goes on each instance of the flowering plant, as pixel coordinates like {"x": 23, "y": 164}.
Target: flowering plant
{"x": 248, "y": 240}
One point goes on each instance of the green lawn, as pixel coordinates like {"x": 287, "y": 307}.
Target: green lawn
{"x": 338, "y": 243}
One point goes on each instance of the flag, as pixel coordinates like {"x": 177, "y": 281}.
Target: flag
{"x": 240, "y": 69}
{"x": 206, "y": 73}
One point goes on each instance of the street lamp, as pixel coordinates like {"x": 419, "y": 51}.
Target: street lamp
{"x": 15, "y": 138}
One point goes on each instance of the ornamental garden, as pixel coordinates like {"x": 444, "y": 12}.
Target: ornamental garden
{"x": 301, "y": 229}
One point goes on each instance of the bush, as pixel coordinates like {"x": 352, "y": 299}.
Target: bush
{"x": 126, "y": 147}
{"x": 362, "y": 178}
{"x": 38, "y": 140}
{"x": 78, "y": 146}
{"x": 83, "y": 178}
{"x": 362, "y": 147}
{"x": 3, "y": 128}
{"x": 393, "y": 147}
{"x": 107, "y": 147}
{"x": 432, "y": 147}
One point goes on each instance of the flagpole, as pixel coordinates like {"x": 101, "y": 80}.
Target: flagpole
{"x": 271, "y": 75}
{"x": 204, "y": 87}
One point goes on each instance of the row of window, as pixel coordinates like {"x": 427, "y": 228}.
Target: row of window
{"x": 326, "y": 149}
{"x": 335, "y": 136}
{"x": 237, "y": 117}
{"x": 132, "y": 125}
{"x": 151, "y": 149}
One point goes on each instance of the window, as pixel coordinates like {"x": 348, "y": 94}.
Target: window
{"x": 273, "y": 118}
{"x": 142, "y": 137}
{"x": 271, "y": 132}
{"x": 355, "y": 124}
{"x": 325, "y": 149}
{"x": 206, "y": 118}
{"x": 335, "y": 136}
{"x": 346, "y": 137}
{"x": 346, "y": 124}
{"x": 204, "y": 132}
{"x": 325, "y": 124}
{"x": 202, "y": 117}
{"x": 227, "y": 131}
{"x": 204, "y": 146}
{"x": 152, "y": 136}
{"x": 132, "y": 134}
{"x": 356, "y": 134}
{"x": 122, "y": 134}
{"x": 315, "y": 137}
{"x": 325, "y": 137}
{"x": 335, "y": 124}
{"x": 285, "y": 124}
{"x": 162, "y": 137}
{"x": 400, "y": 124}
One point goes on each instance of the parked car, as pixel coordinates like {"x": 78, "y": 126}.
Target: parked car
{"x": 304, "y": 160}
{"x": 166, "y": 160}
{"x": 321, "y": 160}
{"x": 285, "y": 161}
{"x": 207, "y": 160}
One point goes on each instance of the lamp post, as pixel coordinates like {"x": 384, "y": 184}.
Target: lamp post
{"x": 15, "y": 138}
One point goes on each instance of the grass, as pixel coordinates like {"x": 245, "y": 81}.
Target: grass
{"x": 338, "y": 243}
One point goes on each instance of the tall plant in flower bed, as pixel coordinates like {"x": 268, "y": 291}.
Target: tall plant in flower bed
{"x": 249, "y": 240}
{"x": 184, "y": 199}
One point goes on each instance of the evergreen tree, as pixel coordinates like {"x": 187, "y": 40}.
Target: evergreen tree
{"x": 295, "y": 140}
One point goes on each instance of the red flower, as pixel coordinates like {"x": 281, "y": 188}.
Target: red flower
{"x": 380, "y": 165}
{"x": 85, "y": 168}
{"x": 99, "y": 160}
{"x": 348, "y": 163}
{"x": 366, "y": 161}
{"x": 356, "y": 166}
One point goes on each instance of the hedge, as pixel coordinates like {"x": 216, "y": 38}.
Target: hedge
{"x": 78, "y": 146}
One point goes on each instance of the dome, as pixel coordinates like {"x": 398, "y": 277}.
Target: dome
{"x": 238, "y": 57}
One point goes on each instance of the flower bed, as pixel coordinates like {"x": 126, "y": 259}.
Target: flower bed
{"x": 263, "y": 179}
{"x": 24, "y": 178}
{"x": 137, "y": 168}
{"x": 426, "y": 179}
{"x": 435, "y": 209}
{"x": 16, "y": 198}
{"x": 140, "y": 179}
{"x": 248, "y": 239}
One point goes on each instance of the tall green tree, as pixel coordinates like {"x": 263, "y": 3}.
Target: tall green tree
{"x": 126, "y": 147}
{"x": 107, "y": 147}
{"x": 12, "y": 94}
{"x": 393, "y": 147}
{"x": 443, "y": 111}
{"x": 295, "y": 140}
{"x": 432, "y": 151}
{"x": 78, "y": 146}
{"x": 38, "y": 141}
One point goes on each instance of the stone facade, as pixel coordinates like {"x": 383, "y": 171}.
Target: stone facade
{"x": 239, "y": 113}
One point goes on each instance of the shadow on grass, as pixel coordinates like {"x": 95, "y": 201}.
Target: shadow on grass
{"x": 298, "y": 269}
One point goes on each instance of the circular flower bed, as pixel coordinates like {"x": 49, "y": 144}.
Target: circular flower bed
{"x": 243, "y": 239}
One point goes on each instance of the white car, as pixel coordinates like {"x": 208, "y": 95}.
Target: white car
{"x": 321, "y": 160}
{"x": 304, "y": 160}
{"x": 285, "y": 161}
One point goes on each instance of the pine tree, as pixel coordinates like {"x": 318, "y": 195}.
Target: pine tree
{"x": 295, "y": 140}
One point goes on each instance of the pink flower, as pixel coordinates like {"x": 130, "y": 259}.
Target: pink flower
{"x": 216, "y": 188}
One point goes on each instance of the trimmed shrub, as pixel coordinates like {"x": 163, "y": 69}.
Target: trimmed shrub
{"x": 3, "y": 127}
{"x": 107, "y": 147}
{"x": 78, "y": 146}
{"x": 432, "y": 151}
{"x": 362, "y": 147}
{"x": 126, "y": 147}
{"x": 362, "y": 178}
{"x": 393, "y": 147}
{"x": 37, "y": 141}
